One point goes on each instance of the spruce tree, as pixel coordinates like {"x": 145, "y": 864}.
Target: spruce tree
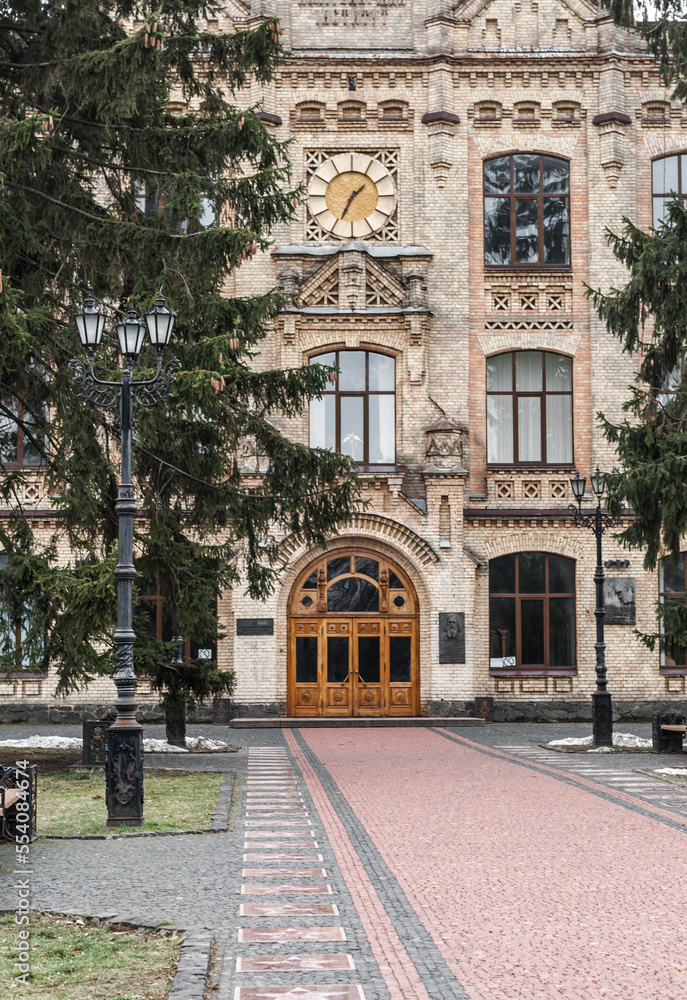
{"x": 663, "y": 26}
{"x": 108, "y": 188}
{"x": 649, "y": 317}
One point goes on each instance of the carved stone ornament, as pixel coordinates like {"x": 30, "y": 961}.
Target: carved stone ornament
{"x": 444, "y": 446}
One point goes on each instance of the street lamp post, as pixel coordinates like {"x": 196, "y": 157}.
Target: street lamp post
{"x": 598, "y": 521}
{"x": 124, "y": 768}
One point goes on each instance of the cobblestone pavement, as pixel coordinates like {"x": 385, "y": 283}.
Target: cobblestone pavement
{"x": 408, "y": 864}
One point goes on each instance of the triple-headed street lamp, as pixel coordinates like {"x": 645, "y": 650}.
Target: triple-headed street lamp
{"x": 598, "y": 521}
{"x": 124, "y": 769}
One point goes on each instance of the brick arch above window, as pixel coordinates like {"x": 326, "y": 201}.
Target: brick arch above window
{"x": 530, "y": 341}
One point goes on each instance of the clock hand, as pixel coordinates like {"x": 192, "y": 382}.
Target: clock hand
{"x": 353, "y": 195}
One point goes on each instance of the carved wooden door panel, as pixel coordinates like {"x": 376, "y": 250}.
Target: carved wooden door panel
{"x": 369, "y": 667}
{"x": 402, "y": 667}
{"x": 338, "y": 667}
{"x": 306, "y": 656}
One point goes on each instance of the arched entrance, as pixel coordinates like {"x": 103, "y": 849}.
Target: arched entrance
{"x": 353, "y": 638}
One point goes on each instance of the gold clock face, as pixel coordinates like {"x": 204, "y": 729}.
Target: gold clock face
{"x": 351, "y": 195}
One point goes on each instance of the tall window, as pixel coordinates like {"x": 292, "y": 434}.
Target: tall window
{"x": 532, "y": 613}
{"x": 529, "y": 408}
{"x": 526, "y": 210}
{"x": 21, "y": 645}
{"x": 160, "y": 624}
{"x": 673, "y": 590}
{"x": 668, "y": 181}
{"x": 356, "y": 415}
{"x": 18, "y": 433}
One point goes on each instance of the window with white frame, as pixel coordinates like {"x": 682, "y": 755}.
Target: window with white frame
{"x": 668, "y": 181}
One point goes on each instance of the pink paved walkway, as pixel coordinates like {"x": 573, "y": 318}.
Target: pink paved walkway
{"x": 530, "y": 888}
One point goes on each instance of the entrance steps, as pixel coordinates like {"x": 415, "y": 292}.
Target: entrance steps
{"x": 351, "y": 722}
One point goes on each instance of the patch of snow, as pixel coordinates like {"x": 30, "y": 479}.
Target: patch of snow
{"x": 45, "y": 743}
{"x": 149, "y": 745}
{"x": 628, "y": 740}
{"x": 601, "y": 750}
{"x": 681, "y": 771}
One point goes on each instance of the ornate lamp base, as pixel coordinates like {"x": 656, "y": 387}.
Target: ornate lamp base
{"x": 124, "y": 776}
{"x": 602, "y": 719}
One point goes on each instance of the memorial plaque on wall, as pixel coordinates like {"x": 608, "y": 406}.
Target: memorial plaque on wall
{"x": 619, "y": 599}
{"x": 255, "y": 626}
{"x": 351, "y": 24}
{"x": 451, "y": 637}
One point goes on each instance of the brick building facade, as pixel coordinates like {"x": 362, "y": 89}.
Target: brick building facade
{"x": 462, "y": 164}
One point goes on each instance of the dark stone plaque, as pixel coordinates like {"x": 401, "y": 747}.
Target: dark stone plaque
{"x": 222, "y": 711}
{"x": 451, "y": 637}
{"x": 619, "y": 599}
{"x": 255, "y": 626}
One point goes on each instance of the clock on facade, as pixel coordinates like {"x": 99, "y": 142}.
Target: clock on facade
{"x": 351, "y": 195}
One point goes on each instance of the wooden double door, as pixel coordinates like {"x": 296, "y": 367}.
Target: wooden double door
{"x": 353, "y": 639}
{"x": 353, "y": 666}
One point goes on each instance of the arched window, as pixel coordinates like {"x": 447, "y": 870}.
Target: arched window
{"x": 529, "y": 409}
{"x": 357, "y": 414}
{"x": 668, "y": 181}
{"x": 673, "y": 590}
{"x": 532, "y": 613}
{"x": 526, "y": 211}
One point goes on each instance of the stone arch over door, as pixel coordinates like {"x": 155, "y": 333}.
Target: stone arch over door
{"x": 353, "y": 637}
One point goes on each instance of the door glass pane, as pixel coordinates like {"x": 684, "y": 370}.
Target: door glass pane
{"x": 499, "y": 428}
{"x": 526, "y": 230}
{"x": 352, "y": 427}
{"x": 335, "y": 567}
{"x": 497, "y": 175}
{"x": 306, "y": 659}
{"x": 532, "y": 579}
{"x": 673, "y": 576}
{"x": 561, "y": 575}
{"x": 337, "y": 659}
{"x": 502, "y": 575}
{"x": 382, "y": 443}
{"x": 323, "y": 422}
{"x": 502, "y": 632}
{"x": 352, "y": 594}
{"x": 529, "y": 428}
{"x": 558, "y": 373}
{"x": 562, "y": 631}
{"x": 394, "y": 581}
{"x": 497, "y": 231}
{"x": 352, "y": 374}
{"x": 367, "y": 566}
{"x": 556, "y": 231}
{"x": 528, "y": 371}
{"x": 311, "y": 582}
{"x": 399, "y": 659}
{"x": 555, "y": 175}
{"x": 664, "y": 175}
{"x": 559, "y": 429}
{"x": 526, "y": 173}
{"x": 368, "y": 658}
{"x": 382, "y": 372}
{"x": 532, "y": 632}
{"x": 328, "y": 359}
{"x": 500, "y": 373}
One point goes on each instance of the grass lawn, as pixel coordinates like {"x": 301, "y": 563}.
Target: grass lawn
{"x": 80, "y": 962}
{"x": 72, "y": 803}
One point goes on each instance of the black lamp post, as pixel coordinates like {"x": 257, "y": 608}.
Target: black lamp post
{"x": 598, "y": 521}
{"x": 124, "y": 769}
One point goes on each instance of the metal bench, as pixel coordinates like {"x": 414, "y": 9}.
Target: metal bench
{"x": 668, "y": 732}
{"x": 18, "y": 795}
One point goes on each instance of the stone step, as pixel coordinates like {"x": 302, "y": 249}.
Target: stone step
{"x": 351, "y": 722}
